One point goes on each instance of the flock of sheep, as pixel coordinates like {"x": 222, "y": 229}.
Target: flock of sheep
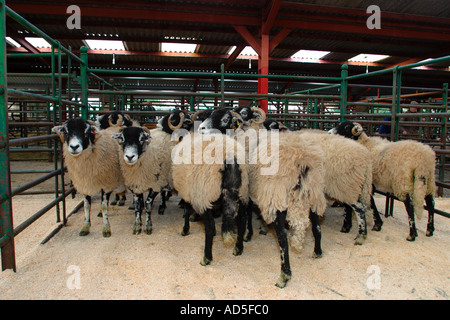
{"x": 311, "y": 167}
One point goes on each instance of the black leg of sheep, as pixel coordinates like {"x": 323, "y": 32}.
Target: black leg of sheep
{"x": 430, "y": 207}
{"x": 280, "y": 229}
{"x": 412, "y": 224}
{"x": 208, "y": 220}
{"x": 317, "y": 233}
{"x": 241, "y": 224}
{"x": 138, "y": 207}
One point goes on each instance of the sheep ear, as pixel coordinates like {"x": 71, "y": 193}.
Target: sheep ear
{"x": 118, "y": 137}
{"x": 357, "y": 129}
{"x": 61, "y": 131}
{"x": 96, "y": 132}
{"x": 148, "y": 138}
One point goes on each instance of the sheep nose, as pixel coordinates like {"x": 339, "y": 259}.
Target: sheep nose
{"x": 74, "y": 147}
{"x": 130, "y": 157}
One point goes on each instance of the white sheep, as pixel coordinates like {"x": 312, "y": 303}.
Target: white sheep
{"x": 405, "y": 168}
{"x": 348, "y": 177}
{"x": 207, "y": 171}
{"x": 291, "y": 190}
{"x": 92, "y": 160}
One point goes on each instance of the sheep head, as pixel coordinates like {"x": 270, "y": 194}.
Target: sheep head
{"x": 348, "y": 129}
{"x": 222, "y": 120}
{"x": 78, "y": 134}
{"x": 133, "y": 141}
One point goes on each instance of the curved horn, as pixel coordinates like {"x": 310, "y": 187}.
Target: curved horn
{"x": 195, "y": 115}
{"x": 119, "y": 121}
{"x": 261, "y": 113}
{"x": 357, "y": 129}
{"x": 178, "y": 126}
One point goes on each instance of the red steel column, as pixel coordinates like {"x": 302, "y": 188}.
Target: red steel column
{"x": 263, "y": 68}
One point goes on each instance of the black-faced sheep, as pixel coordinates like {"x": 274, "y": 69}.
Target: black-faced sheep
{"x": 93, "y": 164}
{"x": 207, "y": 171}
{"x": 404, "y": 168}
{"x": 145, "y": 161}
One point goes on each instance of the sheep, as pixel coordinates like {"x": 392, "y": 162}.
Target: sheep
{"x": 92, "y": 160}
{"x": 348, "y": 177}
{"x": 404, "y": 168}
{"x": 145, "y": 161}
{"x": 223, "y": 121}
{"x": 114, "y": 121}
{"x": 207, "y": 171}
{"x": 292, "y": 193}
{"x": 287, "y": 193}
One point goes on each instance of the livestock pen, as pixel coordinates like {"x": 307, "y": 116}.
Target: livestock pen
{"x": 75, "y": 89}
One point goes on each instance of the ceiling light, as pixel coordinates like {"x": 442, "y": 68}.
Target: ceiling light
{"x": 364, "y": 57}
{"x": 38, "y": 42}
{"x": 178, "y": 47}
{"x": 105, "y": 44}
{"x": 309, "y": 54}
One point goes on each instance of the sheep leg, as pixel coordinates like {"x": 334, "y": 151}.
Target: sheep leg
{"x": 150, "y": 198}
{"x": 280, "y": 229}
{"x": 138, "y": 207}
{"x": 317, "y": 233}
{"x": 249, "y": 231}
{"x": 348, "y": 213}
{"x": 430, "y": 207}
{"x": 162, "y": 202}
{"x": 106, "y": 231}
{"x": 87, "y": 216}
{"x": 376, "y": 216}
{"x": 187, "y": 214}
{"x": 208, "y": 220}
{"x": 360, "y": 210}
{"x": 148, "y": 208}
{"x": 241, "y": 223}
{"x": 100, "y": 214}
{"x": 412, "y": 224}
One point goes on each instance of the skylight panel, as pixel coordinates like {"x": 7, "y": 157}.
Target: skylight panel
{"x": 309, "y": 54}
{"x": 13, "y": 42}
{"x": 248, "y": 51}
{"x": 105, "y": 44}
{"x": 178, "y": 47}
{"x": 38, "y": 42}
{"x": 364, "y": 57}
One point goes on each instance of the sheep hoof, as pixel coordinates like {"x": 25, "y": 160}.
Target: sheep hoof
{"x": 184, "y": 232}
{"x": 359, "y": 240}
{"x": 228, "y": 239}
{"x": 100, "y": 214}
{"x": 113, "y": 203}
{"x": 377, "y": 226}
{"x": 411, "y": 238}
{"x": 317, "y": 255}
{"x": 148, "y": 230}
{"x": 137, "y": 229}
{"x": 283, "y": 280}
{"x": 161, "y": 210}
{"x": 237, "y": 251}
{"x": 121, "y": 202}
{"x": 205, "y": 261}
{"x": 248, "y": 236}
{"x": 85, "y": 230}
{"x": 430, "y": 233}
{"x": 346, "y": 229}
{"x": 106, "y": 232}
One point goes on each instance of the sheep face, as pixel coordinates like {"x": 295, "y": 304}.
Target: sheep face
{"x": 78, "y": 134}
{"x": 245, "y": 112}
{"x": 348, "y": 129}
{"x": 271, "y": 124}
{"x": 222, "y": 120}
{"x": 134, "y": 142}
